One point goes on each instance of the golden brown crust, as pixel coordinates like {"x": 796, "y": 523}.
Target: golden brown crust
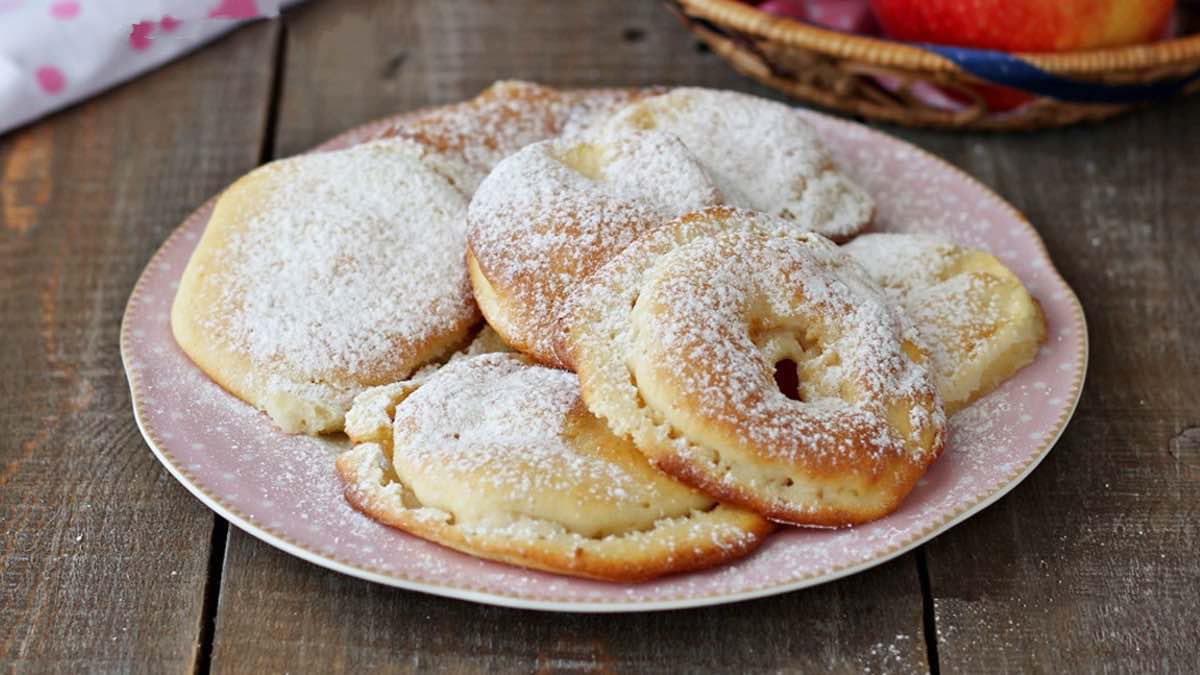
{"x": 979, "y": 322}
{"x": 683, "y": 466}
{"x": 500, "y": 459}
{"x": 504, "y": 118}
{"x": 549, "y": 215}
{"x": 762, "y": 154}
{"x": 704, "y": 222}
{"x": 638, "y": 558}
{"x": 460, "y": 142}
{"x": 501, "y": 313}
{"x": 676, "y": 342}
{"x": 253, "y": 348}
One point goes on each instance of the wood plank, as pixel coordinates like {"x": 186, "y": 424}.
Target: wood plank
{"x": 104, "y": 557}
{"x": 361, "y": 59}
{"x": 278, "y": 613}
{"x": 1093, "y": 564}
{"x": 351, "y": 62}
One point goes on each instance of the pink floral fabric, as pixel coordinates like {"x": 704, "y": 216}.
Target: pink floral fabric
{"x": 56, "y": 52}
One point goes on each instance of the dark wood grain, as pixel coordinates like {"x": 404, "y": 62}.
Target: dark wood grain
{"x": 351, "y": 62}
{"x": 104, "y": 557}
{"x": 360, "y": 60}
{"x": 278, "y": 613}
{"x": 1093, "y": 564}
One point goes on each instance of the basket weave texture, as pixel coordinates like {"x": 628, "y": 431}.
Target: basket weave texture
{"x": 883, "y": 80}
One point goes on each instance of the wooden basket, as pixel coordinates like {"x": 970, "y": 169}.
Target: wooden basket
{"x": 884, "y": 80}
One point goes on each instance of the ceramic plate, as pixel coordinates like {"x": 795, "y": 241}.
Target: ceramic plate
{"x": 282, "y": 489}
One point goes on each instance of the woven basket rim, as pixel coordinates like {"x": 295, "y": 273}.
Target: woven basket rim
{"x": 745, "y": 18}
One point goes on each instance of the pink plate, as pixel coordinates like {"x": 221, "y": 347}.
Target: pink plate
{"x": 282, "y": 489}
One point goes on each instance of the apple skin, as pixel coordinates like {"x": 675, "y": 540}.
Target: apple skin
{"x": 1025, "y": 25}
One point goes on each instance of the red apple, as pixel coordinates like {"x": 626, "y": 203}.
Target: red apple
{"x": 997, "y": 97}
{"x": 1025, "y": 25}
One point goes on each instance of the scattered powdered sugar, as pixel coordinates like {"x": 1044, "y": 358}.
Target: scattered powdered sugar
{"x": 762, "y": 155}
{"x": 345, "y": 266}
{"x": 954, "y": 316}
{"x": 552, "y": 213}
{"x": 903, "y": 262}
{"x": 503, "y": 119}
{"x": 972, "y": 313}
{"x": 268, "y": 479}
{"x": 498, "y": 421}
{"x": 507, "y": 448}
{"x": 714, "y": 315}
{"x": 648, "y": 168}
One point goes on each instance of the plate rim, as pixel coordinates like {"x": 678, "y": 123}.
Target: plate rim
{"x": 936, "y": 529}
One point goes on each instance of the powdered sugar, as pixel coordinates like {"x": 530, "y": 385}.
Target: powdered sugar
{"x": 950, "y": 314}
{"x": 761, "y": 154}
{"x": 340, "y": 267}
{"x": 549, "y": 215}
{"x": 976, "y": 319}
{"x": 257, "y": 476}
{"x": 727, "y": 307}
{"x": 496, "y": 421}
{"x": 901, "y": 263}
{"x": 508, "y": 116}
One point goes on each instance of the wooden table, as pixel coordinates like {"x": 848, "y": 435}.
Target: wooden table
{"x": 108, "y": 564}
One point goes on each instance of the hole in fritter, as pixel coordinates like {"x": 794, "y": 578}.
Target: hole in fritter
{"x": 787, "y": 378}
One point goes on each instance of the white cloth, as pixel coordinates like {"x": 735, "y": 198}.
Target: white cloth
{"x": 56, "y": 52}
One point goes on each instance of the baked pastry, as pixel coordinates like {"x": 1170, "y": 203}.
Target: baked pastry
{"x": 762, "y": 155}
{"x": 253, "y": 311}
{"x": 499, "y": 458}
{"x": 761, "y": 367}
{"x": 705, "y": 222}
{"x": 549, "y": 215}
{"x": 979, "y": 322}
{"x": 473, "y": 136}
{"x": 321, "y": 275}
{"x": 369, "y": 419}
{"x": 552, "y": 213}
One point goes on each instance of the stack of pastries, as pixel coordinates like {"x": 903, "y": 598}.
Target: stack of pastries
{"x": 605, "y": 333}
